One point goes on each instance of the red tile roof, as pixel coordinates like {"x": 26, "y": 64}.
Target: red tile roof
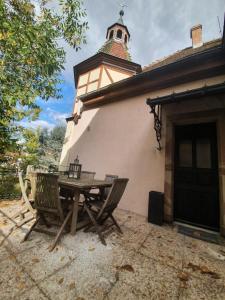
{"x": 115, "y": 48}
{"x": 181, "y": 54}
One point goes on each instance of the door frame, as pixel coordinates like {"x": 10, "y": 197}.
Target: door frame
{"x": 217, "y": 116}
{"x": 187, "y": 214}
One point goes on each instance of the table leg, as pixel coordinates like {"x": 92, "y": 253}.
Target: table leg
{"x": 102, "y": 189}
{"x": 75, "y": 212}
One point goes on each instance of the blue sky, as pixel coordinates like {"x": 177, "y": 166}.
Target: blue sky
{"x": 157, "y": 28}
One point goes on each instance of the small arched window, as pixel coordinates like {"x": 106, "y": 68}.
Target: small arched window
{"x": 125, "y": 38}
{"x": 119, "y": 34}
{"x": 111, "y": 34}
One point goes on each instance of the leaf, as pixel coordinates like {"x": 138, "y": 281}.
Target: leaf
{"x": 72, "y": 285}
{"x": 206, "y": 270}
{"x": 35, "y": 260}
{"x": 91, "y": 249}
{"x": 183, "y": 276}
{"x": 193, "y": 266}
{"x": 21, "y": 285}
{"x": 128, "y": 268}
{"x": 61, "y": 280}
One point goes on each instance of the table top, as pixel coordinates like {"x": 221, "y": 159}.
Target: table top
{"x": 83, "y": 183}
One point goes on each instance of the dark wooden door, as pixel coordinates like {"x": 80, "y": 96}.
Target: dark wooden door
{"x": 196, "y": 196}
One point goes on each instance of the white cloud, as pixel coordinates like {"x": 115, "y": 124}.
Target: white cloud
{"x": 157, "y": 28}
{"x": 56, "y": 116}
{"x": 37, "y": 123}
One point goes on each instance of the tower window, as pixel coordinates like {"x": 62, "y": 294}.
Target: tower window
{"x": 111, "y": 34}
{"x": 125, "y": 38}
{"x": 119, "y": 34}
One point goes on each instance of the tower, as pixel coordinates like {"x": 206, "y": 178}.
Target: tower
{"x": 111, "y": 64}
{"x": 117, "y": 38}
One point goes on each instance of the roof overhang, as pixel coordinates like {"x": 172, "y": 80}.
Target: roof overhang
{"x": 107, "y": 59}
{"x": 124, "y": 26}
{"x": 188, "y": 95}
{"x": 206, "y": 64}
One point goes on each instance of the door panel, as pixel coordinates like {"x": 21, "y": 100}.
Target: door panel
{"x": 196, "y": 196}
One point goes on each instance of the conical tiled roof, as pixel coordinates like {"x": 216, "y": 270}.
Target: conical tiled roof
{"x": 115, "y": 48}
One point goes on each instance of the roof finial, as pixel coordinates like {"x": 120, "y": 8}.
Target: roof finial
{"x": 123, "y": 5}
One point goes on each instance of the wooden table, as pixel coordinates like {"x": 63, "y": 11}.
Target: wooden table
{"x": 77, "y": 185}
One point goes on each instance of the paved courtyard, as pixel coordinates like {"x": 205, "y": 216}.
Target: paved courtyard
{"x": 146, "y": 262}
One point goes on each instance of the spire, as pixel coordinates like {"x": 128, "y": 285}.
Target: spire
{"x": 117, "y": 38}
{"x": 120, "y": 20}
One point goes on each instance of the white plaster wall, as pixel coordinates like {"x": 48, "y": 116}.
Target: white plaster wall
{"x": 92, "y": 86}
{"x": 117, "y": 76}
{"x": 94, "y": 75}
{"x": 119, "y": 138}
{"x": 83, "y": 79}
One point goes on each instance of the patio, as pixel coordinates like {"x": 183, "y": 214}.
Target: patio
{"x": 146, "y": 262}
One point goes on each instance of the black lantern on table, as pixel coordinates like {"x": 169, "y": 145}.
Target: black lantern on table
{"x": 75, "y": 169}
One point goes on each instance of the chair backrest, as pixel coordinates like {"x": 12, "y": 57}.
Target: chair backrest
{"x": 87, "y": 175}
{"x": 114, "y": 196}
{"x": 23, "y": 187}
{"x": 47, "y": 193}
{"x": 110, "y": 179}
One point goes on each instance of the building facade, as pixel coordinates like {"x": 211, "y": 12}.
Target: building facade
{"x": 163, "y": 126}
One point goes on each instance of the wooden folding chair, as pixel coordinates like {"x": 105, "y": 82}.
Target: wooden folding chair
{"x": 90, "y": 196}
{"x": 27, "y": 212}
{"x": 47, "y": 202}
{"x": 99, "y": 211}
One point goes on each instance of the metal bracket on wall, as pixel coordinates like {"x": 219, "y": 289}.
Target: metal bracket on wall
{"x": 156, "y": 110}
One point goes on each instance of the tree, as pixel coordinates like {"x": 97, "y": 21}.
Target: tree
{"x": 51, "y": 143}
{"x": 31, "y": 59}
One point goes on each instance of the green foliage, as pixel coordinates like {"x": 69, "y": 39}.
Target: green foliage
{"x": 51, "y": 145}
{"x": 31, "y": 59}
{"x": 9, "y": 185}
{"x": 29, "y": 147}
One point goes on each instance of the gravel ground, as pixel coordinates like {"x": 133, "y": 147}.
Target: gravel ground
{"x": 146, "y": 262}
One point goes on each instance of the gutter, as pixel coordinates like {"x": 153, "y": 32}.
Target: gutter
{"x": 177, "y": 97}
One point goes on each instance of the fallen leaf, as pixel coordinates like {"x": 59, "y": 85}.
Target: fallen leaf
{"x": 206, "y": 270}
{"x": 193, "y": 266}
{"x": 60, "y": 280}
{"x": 72, "y": 286}
{"x": 12, "y": 257}
{"x": 21, "y": 285}
{"x": 128, "y": 268}
{"x": 143, "y": 246}
{"x": 183, "y": 276}
{"x": 91, "y": 249}
{"x": 35, "y": 260}
{"x": 62, "y": 258}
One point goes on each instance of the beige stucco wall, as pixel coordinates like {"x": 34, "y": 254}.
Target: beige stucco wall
{"x": 119, "y": 138}
{"x": 98, "y": 78}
